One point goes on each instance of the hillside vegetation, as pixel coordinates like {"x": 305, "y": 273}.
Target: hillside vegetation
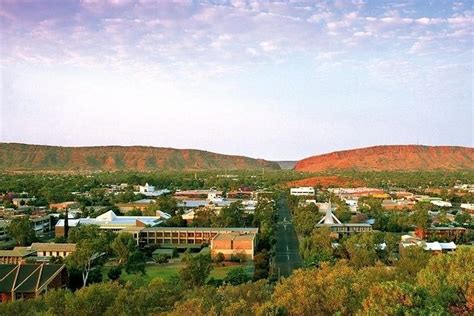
{"x": 392, "y": 158}
{"x": 112, "y": 158}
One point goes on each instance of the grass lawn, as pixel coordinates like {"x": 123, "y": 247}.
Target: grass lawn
{"x": 166, "y": 271}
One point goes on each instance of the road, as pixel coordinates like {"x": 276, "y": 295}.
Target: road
{"x": 287, "y": 256}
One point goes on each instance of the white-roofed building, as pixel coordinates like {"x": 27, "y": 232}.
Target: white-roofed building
{"x": 441, "y": 203}
{"x": 110, "y": 221}
{"x": 302, "y": 191}
{"x": 410, "y": 241}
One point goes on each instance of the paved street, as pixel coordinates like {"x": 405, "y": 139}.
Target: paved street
{"x": 287, "y": 257}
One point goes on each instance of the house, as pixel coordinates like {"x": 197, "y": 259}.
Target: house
{"x": 52, "y": 249}
{"x": 23, "y": 281}
{"x": 234, "y": 244}
{"x": 15, "y": 256}
{"x": 110, "y": 221}
{"x": 302, "y": 191}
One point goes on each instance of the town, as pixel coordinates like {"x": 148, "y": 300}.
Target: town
{"x": 246, "y": 227}
{"x": 236, "y": 157}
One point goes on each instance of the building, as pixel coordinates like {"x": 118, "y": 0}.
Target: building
{"x": 442, "y": 233}
{"x": 15, "y": 256}
{"x": 41, "y": 224}
{"x": 434, "y": 247}
{"x": 397, "y": 205}
{"x": 441, "y": 203}
{"x": 240, "y": 194}
{"x": 356, "y": 193}
{"x": 23, "y": 281}
{"x": 52, "y": 249}
{"x": 186, "y": 237}
{"x": 146, "y": 188}
{"x": 331, "y": 221}
{"x": 234, "y": 244}
{"x": 468, "y": 207}
{"x": 198, "y": 194}
{"x": 149, "y": 190}
{"x": 302, "y": 191}
{"x": 110, "y": 221}
{"x": 140, "y": 205}
{"x": 63, "y": 205}
{"x": 22, "y": 201}
{"x": 3, "y": 229}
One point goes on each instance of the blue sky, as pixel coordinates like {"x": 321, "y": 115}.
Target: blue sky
{"x": 268, "y": 79}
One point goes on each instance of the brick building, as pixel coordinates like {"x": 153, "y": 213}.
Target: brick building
{"x": 234, "y": 244}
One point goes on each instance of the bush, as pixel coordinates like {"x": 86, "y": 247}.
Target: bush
{"x": 114, "y": 273}
{"x": 161, "y": 258}
{"x": 219, "y": 258}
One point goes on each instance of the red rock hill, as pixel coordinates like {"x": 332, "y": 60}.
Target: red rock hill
{"x": 392, "y": 158}
{"x": 19, "y": 157}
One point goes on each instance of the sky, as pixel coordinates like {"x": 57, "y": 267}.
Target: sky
{"x": 278, "y": 80}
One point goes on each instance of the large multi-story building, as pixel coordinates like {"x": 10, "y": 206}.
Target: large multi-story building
{"x": 186, "y": 237}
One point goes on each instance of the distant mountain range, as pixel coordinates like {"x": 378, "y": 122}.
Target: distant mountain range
{"x": 392, "y": 158}
{"x": 23, "y": 157}
{"x": 18, "y": 157}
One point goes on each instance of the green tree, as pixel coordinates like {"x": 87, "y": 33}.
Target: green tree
{"x": 361, "y": 249}
{"x": 196, "y": 271}
{"x": 93, "y": 244}
{"x": 412, "y": 260}
{"x": 114, "y": 273}
{"x": 323, "y": 291}
{"x": 136, "y": 263}
{"x": 167, "y": 203}
{"x": 230, "y": 216}
{"x": 397, "y": 298}
{"x": 449, "y": 278}
{"x": 21, "y": 229}
{"x": 305, "y": 219}
{"x": 123, "y": 245}
{"x": 237, "y": 276}
{"x": 317, "y": 247}
{"x": 420, "y": 216}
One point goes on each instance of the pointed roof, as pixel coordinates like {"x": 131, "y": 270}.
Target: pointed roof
{"x": 329, "y": 218}
{"x": 27, "y": 278}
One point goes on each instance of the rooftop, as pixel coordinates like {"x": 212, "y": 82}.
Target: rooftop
{"x": 27, "y": 278}
{"x": 52, "y": 247}
{"x": 203, "y": 229}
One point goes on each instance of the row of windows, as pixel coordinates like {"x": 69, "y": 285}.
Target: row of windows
{"x": 172, "y": 241}
{"x": 175, "y": 234}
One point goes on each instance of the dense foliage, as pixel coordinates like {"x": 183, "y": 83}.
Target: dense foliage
{"x": 442, "y": 285}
